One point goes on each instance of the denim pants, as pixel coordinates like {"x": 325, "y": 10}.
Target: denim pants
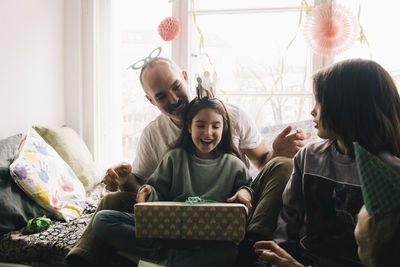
{"x": 268, "y": 187}
{"x": 117, "y": 229}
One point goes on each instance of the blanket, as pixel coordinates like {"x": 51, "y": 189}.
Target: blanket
{"x": 49, "y": 248}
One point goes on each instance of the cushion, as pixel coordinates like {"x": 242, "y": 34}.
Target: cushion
{"x": 46, "y": 178}
{"x": 70, "y": 146}
{"x": 16, "y": 208}
{"x": 8, "y": 147}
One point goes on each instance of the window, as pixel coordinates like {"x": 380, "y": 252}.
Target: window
{"x": 377, "y": 20}
{"x": 245, "y": 42}
{"x": 134, "y": 27}
{"x": 246, "y": 63}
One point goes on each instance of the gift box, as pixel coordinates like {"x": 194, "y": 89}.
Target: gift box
{"x": 178, "y": 220}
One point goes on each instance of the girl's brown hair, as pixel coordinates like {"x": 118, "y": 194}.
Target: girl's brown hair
{"x": 360, "y": 102}
{"x": 195, "y": 106}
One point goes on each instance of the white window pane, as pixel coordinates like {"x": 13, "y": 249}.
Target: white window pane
{"x": 248, "y": 60}
{"x": 134, "y": 30}
{"x": 235, "y": 4}
{"x": 379, "y": 20}
{"x": 279, "y": 110}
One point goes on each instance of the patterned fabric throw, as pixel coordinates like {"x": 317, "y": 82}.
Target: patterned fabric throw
{"x": 37, "y": 225}
{"x": 380, "y": 184}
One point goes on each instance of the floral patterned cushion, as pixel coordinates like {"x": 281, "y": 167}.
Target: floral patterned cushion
{"x": 46, "y": 178}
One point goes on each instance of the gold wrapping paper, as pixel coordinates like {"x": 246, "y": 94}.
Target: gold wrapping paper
{"x": 177, "y": 220}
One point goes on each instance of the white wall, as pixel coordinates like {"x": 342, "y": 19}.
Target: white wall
{"x": 73, "y": 83}
{"x": 31, "y": 64}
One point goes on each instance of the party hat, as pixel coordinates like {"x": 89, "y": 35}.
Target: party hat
{"x": 380, "y": 184}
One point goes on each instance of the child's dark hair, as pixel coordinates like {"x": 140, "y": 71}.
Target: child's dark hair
{"x": 360, "y": 102}
{"x": 195, "y": 106}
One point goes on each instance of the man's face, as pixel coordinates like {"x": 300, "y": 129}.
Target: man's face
{"x": 166, "y": 88}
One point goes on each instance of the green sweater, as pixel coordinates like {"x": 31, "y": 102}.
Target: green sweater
{"x": 181, "y": 175}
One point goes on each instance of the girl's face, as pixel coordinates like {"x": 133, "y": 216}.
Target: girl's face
{"x": 206, "y": 130}
{"x": 321, "y": 131}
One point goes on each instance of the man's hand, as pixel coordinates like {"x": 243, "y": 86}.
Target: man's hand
{"x": 269, "y": 251}
{"x": 244, "y": 196}
{"x": 286, "y": 144}
{"x": 143, "y": 194}
{"x": 115, "y": 177}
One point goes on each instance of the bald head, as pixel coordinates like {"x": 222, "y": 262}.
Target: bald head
{"x": 165, "y": 87}
{"x": 157, "y": 65}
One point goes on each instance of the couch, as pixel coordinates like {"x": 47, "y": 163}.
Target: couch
{"x": 49, "y": 247}
{"x": 17, "y": 206}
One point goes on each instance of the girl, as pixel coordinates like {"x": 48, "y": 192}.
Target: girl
{"x": 377, "y": 231}
{"x": 378, "y": 239}
{"x": 205, "y": 160}
{"x": 204, "y": 163}
{"x": 355, "y": 100}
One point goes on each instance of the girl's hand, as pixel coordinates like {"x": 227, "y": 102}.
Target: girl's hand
{"x": 271, "y": 252}
{"x": 244, "y": 196}
{"x": 143, "y": 194}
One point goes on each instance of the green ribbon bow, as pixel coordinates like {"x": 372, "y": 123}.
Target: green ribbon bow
{"x": 198, "y": 200}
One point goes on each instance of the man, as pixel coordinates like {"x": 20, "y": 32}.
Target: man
{"x": 165, "y": 86}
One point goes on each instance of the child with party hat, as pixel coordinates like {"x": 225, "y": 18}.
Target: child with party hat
{"x": 356, "y": 100}
{"x": 339, "y": 195}
{"x": 378, "y": 227}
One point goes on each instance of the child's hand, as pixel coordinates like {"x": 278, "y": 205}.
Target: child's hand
{"x": 143, "y": 194}
{"x": 244, "y": 196}
{"x": 269, "y": 251}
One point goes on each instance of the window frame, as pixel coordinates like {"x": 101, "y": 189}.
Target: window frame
{"x": 91, "y": 62}
{"x": 181, "y": 51}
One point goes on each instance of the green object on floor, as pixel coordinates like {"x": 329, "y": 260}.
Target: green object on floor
{"x": 37, "y": 225}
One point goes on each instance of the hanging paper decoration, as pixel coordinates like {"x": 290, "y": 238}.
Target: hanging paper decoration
{"x": 330, "y": 29}
{"x": 169, "y": 28}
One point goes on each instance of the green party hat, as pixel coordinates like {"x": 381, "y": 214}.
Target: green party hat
{"x": 380, "y": 184}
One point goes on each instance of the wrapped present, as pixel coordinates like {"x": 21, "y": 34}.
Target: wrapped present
{"x": 178, "y": 220}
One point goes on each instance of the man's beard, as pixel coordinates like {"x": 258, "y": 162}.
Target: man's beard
{"x": 182, "y": 102}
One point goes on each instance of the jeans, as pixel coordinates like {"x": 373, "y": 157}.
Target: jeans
{"x": 268, "y": 187}
{"x": 117, "y": 230}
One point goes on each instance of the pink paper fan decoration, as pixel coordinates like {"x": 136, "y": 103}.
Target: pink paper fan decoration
{"x": 169, "y": 28}
{"x": 330, "y": 29}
